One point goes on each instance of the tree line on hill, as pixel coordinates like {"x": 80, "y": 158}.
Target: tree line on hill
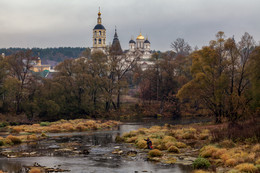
{"x": 221, "y": 79}
{"x": 53, "y": 54}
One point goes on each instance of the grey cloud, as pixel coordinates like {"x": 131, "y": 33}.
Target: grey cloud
{"x": 54, "y": 23}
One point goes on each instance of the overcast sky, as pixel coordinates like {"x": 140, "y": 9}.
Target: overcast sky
{"x": 62, "y": 23}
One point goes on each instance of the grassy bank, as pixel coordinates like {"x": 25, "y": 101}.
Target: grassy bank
{"x": 25, "y": 133}
{"x": 171, "y": 142}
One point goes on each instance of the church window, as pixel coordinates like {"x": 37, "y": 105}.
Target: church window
{"x": 95, "y": 41}
{"x": 99, "y": 32}
{"x": 99, "y": 41}
{"x": 95, "y": 33}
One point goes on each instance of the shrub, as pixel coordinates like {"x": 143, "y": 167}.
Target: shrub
{"x": 155, "y": 153}
{"x": 54, "y": 129}
{"x": 173, "y": 149}
{"x": 32, "y": 137}
{"x": 257, "y": 161}
{"x": 225, "y": 157}
{"x": 45, "y": 123}
{"x": 156, "y": 142}
{"x": 8, "y": 141}
{"x": 17, "y": 129}
{"x": 67, "y": 127}
{"x": 258, "y": 167}
{"x": 256, "y": 148}
{"x": 168, "y": 139}
{"x": 141, "y": 144}
{"x": 230, "y": 162}
{"x": 201, "y": 163}
{"x": 189, "y": 133}
{"x": 218, "y": 153}
{"x": 118, "y": 139}
{"x": 246, "y": 167}
{"x": 204, "y": 134}
{"x": 200, "y": 171}
{"x": 128, "y": 135}
{"x": 43, "y": 135}
{"x": 227, "y": 144}
{"x": 35, "y": 170}
{"x": 1, "y": 142}
{"x": 180, "y": 145}
{"x": 250, "y": 157}
{"x": 188, "y": 136}
{"x": 161, "y": 147}
{"x": 169, "y": 144}
{"x": 131, "y": 140}
{"x": 14, "y": 139}
{"x": 141, "y": 131}
{"x": 207, "y": 151}
{"x": 81, "y": 127}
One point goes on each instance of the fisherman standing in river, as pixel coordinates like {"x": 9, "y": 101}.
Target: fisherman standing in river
{"x": 149, "y": 143}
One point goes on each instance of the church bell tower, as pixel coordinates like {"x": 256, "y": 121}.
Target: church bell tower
{"x": 99, "y": 35}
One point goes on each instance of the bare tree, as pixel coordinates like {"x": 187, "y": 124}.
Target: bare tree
{"x": 181, "y": 47}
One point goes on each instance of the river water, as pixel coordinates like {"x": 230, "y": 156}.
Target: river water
{"x": 53, "y": 152}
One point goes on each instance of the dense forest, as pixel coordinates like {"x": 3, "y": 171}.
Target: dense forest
{"x": 53, "y": 54}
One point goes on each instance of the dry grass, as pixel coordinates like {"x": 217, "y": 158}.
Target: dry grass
{"x": 230, "y": 162}
{"x": 169, "y": 160}
{"x": 131, "y": 140}
{"x": 141, "y": 144}
{"x": 200, "y": 171}
{"x": 256, "y": 148}
{"x": 173, "y": 149}
{"x": 155, "y": 153}
{"x": 171, "y": 138}
{"x": 230, "y": 156}
{"x": 65, "y": 126}
{"x": 208, "y": 151}
{"x": 35, "y": 170}
{"x": 227, "y": 144}
{"x": 217, "y": 154}
{"x": 180, "y": 145}
{"x": 55, "y": 127}
{"x": 204, "y": 134}
{"x": 168, "y": 139}
{"x": 246, "y": 167}
{"x": 14, "y": 139}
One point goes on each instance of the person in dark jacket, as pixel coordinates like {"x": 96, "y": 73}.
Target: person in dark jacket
{"x": 149, "y": 143}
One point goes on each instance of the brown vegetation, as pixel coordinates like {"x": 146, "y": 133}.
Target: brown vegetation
{"x": 58, "y": 126}
{"x": 180, "y": 139}
{"x": 35, "y": 170}
{"x": 64, "y": 126}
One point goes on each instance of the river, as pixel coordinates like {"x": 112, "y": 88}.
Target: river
{"x": 66, "y": 151}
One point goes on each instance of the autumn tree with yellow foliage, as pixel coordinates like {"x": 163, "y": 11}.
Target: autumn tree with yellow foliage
{"x": 222, "y": 77}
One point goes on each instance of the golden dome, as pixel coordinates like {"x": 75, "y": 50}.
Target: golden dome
{"x": 99, "y": 13}
{"x": 140, "y": 37}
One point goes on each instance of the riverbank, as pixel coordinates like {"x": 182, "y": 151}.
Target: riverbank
{"x": 95, "y": 151}
{"x": 194, "y": 145}
{"x": 27, "y": 133}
